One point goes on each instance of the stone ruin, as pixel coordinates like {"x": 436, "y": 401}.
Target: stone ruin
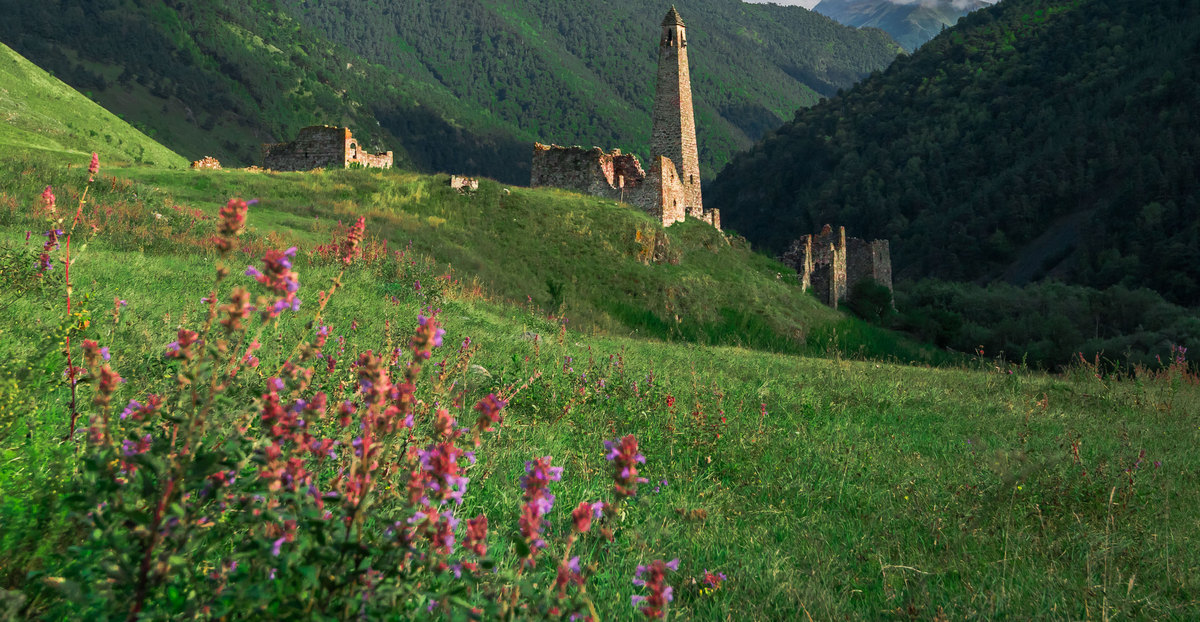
{"x": 207, "y": 163}
{"x": 619, "y": 177}
{"x": 465, "y": 185}
{"x": 831, "y": 265}
{"x": 321, "y": 146}
{"x": 670, "y": 190}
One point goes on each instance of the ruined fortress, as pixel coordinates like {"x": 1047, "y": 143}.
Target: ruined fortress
{"x": 321, "y": 146}
{"x": 831, "y": 265}
{"x": 670, "y": 190}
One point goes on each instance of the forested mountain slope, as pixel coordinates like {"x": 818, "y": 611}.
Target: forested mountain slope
{"x": 911, "y": 24}
{"x": 582, "y": 72}
{"x": 456, "y": 85}
{"x": 218, "y": 77}
{"x": 1037, "y": 136}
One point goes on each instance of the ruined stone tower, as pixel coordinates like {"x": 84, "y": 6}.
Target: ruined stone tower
{"x": 674, "y": 131}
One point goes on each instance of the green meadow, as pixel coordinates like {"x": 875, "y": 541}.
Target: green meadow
{"x": 828, "y": 468}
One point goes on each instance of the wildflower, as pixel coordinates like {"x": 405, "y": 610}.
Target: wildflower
{"x": 233, "y": 222}
{"x": 50, "y": 244}
{"x": 443, "y": 481}
{"x": 236, "y": 311}
{"x": 181, "y": 348}
{"x": 623, "y": 453}
{"x": 655, "y": 581}
{"x": 476, "y": 541}
{"x": 582, "y": 515}
{"x": 538, "y": 502}
{"x": 489, "y": 413}
{"x": 428, "y": 336}
{"x": 277, "y": 276}
{"x": 568, "y": 572}
{"x": 48, "y": 199}
{"x": 131, "y": 448}
{"x": 94, "y": 167}
{"x": 350, "y": 248}
{"x": 714, "y": 580}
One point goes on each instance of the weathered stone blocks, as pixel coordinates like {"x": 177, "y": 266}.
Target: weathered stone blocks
{"x": 321, "y": 146}
{"x": 831, "y": 265}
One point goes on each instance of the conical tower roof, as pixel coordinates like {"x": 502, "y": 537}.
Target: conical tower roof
{"x": 672, "y": 18}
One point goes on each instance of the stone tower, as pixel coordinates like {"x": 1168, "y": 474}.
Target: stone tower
{"x": 674, "y": 132}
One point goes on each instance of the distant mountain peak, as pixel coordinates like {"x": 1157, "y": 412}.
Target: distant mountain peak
{"x": 910, "y": 22}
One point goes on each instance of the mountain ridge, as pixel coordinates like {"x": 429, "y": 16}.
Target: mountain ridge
{"x": 967, "y": 151}
{"x": 911, "y": 24}
{"x": 217, "y": 77}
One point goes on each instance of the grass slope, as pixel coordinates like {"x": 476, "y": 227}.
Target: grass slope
{"x": 40, "y": 112}
{"x": 836, "y": 488}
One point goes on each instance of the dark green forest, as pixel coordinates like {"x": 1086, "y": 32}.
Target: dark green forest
{"x": 218, "y": 77}
{"x": 1039, "y": 139}
{"x": 459, "y": 85}
{"x": 582, "y": 72}
{"x": 1046, "y": 324}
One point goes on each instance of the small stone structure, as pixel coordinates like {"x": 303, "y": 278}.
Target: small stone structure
{"x": 670, "y": 190}
{"x": 831, "y": 266}
{"x": 207, "y": 163}
{"x": 321, "y": 146}
{"x": 465, "y": 185}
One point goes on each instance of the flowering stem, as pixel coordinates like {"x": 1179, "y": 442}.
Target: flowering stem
{"x": 67, "y": 276}
{"x": 139, "y": 599}
{"x": 316, "y": 321}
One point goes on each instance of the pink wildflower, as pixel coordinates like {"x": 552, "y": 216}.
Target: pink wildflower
{"x": 655, "y": 605}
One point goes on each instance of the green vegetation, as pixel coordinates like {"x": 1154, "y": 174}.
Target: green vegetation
{"x": 839, "y": 488}
{"x": 1036, "y": 138}
{"x": 1047, "y": 324}
{"x": 456, "y": 86}
{"x": 582, "y": 72}
{"x": 40, "y": 112}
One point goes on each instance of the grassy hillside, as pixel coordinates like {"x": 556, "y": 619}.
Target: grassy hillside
{"x": 599, "y": 265}
{"x": 41, "y": 112}
{"x": 1036, "y": 138}
{"x": 219, "y": 77}
{"x": 833, "y": 487}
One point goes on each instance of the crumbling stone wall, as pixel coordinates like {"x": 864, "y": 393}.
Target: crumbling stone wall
{"x": 590, "y": 171}
{"x": 321, "y": 146}
{"x": 207, "y": 163}
{"x": 464, "y": 185}
{"x": 617, "y": 176}
{"x": 831, "y": 265}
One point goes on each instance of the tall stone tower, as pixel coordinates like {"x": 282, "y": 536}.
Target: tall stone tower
{"x": 674, "y": 132}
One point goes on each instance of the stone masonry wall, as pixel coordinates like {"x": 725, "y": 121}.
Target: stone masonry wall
{"x": 663, "y": 195}
{"x": 321, "y": 146}
{"x": 831, "y": 265}
{"x": 673, "y": 134}
{"x": 590, "y": 171}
